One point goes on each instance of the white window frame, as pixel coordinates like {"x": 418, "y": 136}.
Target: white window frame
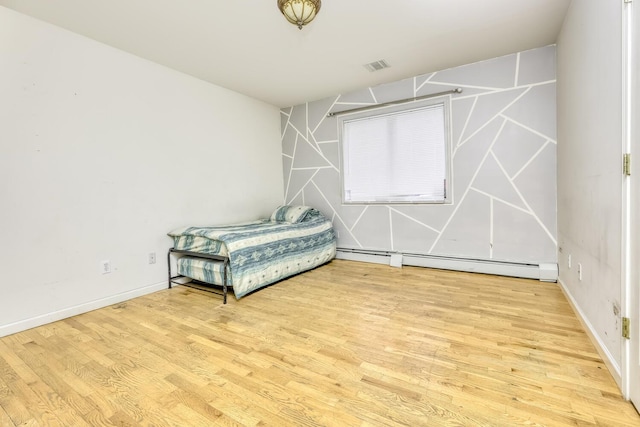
{"x": 444, "y": 101}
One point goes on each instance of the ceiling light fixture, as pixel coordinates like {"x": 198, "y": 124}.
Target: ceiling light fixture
{"x": 299, "y": 12}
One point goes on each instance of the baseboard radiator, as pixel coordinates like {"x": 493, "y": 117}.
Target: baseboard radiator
{"x": 546, "y": 272}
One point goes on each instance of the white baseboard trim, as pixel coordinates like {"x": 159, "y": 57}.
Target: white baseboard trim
{"x": 606, "y": 356}
{"x": 33, "y": 322}
{"x": 545, "y": 272}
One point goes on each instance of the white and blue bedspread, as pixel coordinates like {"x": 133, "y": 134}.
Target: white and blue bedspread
{"x": 293, "y": 240}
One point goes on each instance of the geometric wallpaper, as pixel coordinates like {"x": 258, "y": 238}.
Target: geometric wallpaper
{"x": 503, "y": 128}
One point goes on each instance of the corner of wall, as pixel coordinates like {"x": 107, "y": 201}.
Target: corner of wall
{"x": 601, "y": 348}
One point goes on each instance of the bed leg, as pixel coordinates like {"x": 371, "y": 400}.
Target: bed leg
{"x": 224, "y": 282}
{"x": 169, "y": 266}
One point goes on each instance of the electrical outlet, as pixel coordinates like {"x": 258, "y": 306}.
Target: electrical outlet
{"x": 105, "y": 267}
{"x": 569, "y": 261}
{"x": 152, "y": 257}
{"x": 580, "y": 271}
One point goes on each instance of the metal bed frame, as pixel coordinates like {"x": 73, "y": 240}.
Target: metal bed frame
{"x": 219, "y": 258}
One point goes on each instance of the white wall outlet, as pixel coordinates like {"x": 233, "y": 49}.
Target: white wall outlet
{"x": 580, "y": 271}
{"x": 569, "y": 261}
{"x": 152, "y": 257}
{"x": 105, "y": 267}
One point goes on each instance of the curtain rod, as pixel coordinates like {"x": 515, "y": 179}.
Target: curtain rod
{"x": 402, "y": 101}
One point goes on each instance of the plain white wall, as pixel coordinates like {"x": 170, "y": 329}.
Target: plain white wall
{"x": 589, "y": 165}
{"x": 102, "y": 153}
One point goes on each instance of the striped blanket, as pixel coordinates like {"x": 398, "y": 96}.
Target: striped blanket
{"x": 260, "y": 252}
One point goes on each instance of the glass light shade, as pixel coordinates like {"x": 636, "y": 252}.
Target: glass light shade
{"x": 299, "y": 12}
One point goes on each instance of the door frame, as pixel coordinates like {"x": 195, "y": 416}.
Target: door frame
{"x": 631, "y": 204}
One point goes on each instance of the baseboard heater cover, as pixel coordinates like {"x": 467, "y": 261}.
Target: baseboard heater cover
{"x": 547, "y": 272}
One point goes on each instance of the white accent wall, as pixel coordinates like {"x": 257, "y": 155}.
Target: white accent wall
{"x": 504, "y": 165}
{"x": 101, "y": 154}
{"x": 589, "y": 167}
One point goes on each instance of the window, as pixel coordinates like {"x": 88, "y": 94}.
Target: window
{"x": 397, "y": 154}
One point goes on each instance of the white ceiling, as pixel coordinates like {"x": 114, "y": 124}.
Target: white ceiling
{"x": 247, "y": 45}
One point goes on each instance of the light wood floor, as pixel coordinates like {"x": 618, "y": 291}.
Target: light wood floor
{"x": 346, "y": 344}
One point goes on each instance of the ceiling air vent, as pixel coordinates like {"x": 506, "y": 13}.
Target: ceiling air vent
{"x": 377, "y": 65}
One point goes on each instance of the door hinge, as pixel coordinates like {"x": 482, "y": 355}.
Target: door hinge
{"x": 625, "y": 328}
{"x": 626, "y": 164}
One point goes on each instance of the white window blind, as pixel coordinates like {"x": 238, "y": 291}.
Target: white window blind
{"x": 398, "y": 156}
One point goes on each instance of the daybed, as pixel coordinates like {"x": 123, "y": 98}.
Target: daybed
{"x": 252, "y": 255}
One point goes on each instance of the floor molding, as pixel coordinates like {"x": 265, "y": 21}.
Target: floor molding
{"x": 33, "y": 322}
{"x": 606, "y": 356}
{"x": 545, "y": 272}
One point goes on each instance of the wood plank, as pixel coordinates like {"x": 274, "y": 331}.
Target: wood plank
{"x": 5, "y": 419}
{"x": 14, "y": 406}
{"x": 345, "y": 344}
